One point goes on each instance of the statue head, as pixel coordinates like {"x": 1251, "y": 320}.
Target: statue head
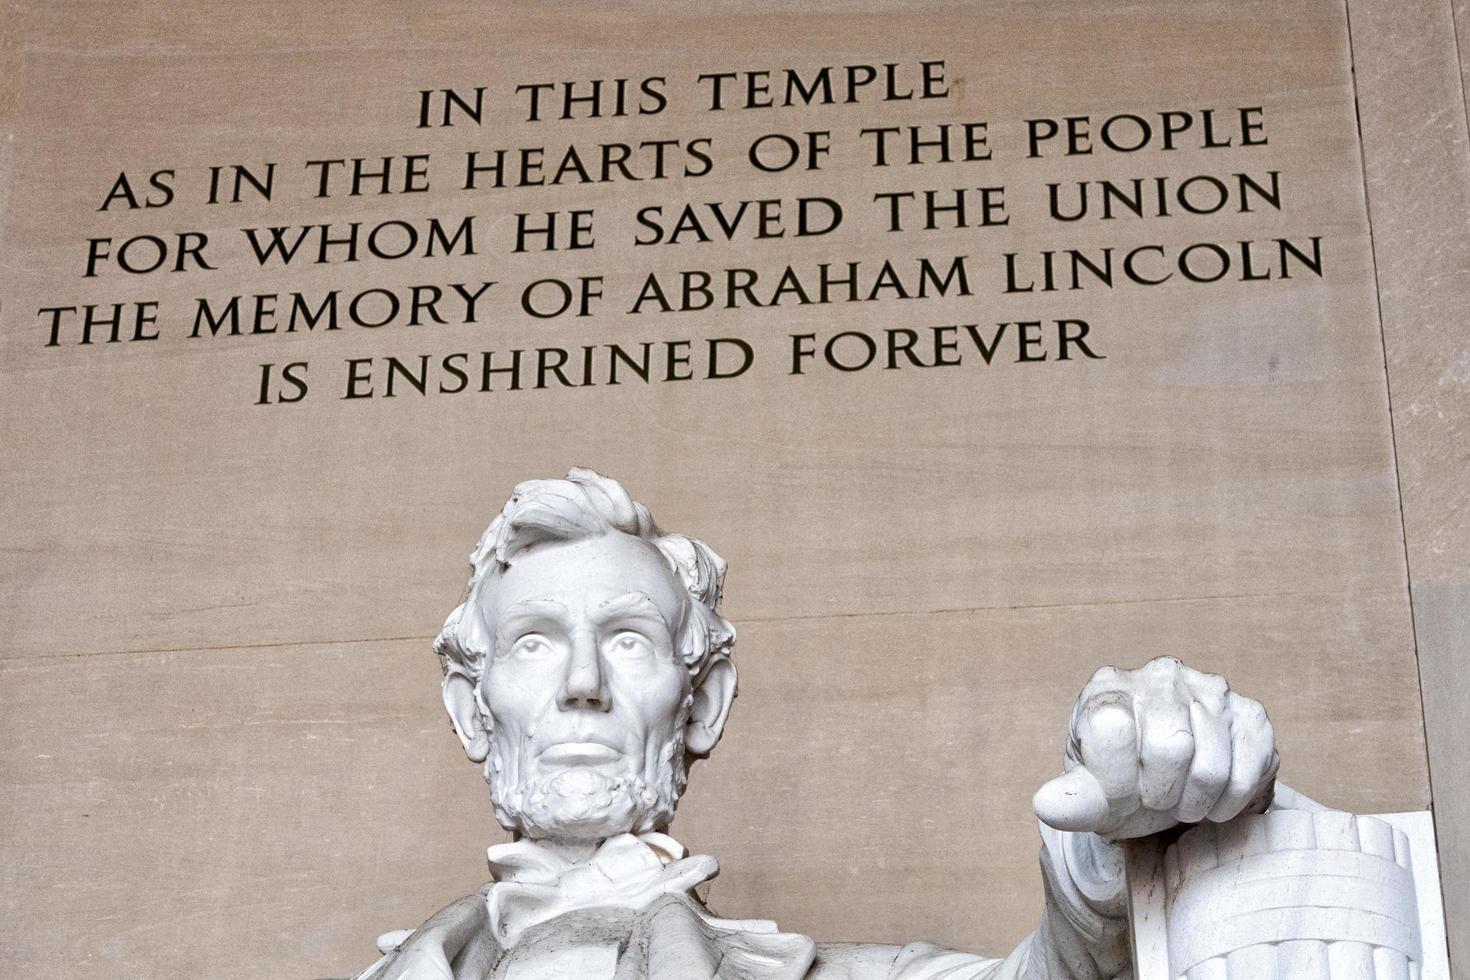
{"x": 587, "y": 666}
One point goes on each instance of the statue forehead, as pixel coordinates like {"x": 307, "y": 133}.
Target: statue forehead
{"x": 586, "y": 573}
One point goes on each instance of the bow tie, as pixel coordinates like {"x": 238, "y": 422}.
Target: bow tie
{"x": 534, "y": 883}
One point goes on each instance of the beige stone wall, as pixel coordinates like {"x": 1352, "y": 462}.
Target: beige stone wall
{"x": 1417, "y": 157}
{"x": 222, "y": 749}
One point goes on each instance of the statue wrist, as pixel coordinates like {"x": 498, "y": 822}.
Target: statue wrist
{"x": 1092, "y": 868}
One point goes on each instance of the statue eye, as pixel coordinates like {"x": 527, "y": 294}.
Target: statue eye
{"x": 628, "y": 644}
{"x": 532, "y": 645}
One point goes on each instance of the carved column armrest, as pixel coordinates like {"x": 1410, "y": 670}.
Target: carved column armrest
{"x": 1301, "y": 892}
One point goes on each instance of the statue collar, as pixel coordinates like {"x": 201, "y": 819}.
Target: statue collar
{"x": 534, "y": 883}
{"x": 639, "y": 889}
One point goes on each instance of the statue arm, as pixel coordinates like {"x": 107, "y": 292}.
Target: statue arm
{"x": 1083, "y": 933}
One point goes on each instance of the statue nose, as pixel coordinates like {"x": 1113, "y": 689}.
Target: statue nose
{"x": 585, "y": 685}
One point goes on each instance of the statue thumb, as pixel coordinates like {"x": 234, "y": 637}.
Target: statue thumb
{"x": 1074, "y": 801}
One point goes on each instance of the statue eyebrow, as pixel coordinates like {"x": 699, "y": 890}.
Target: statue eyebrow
{"x": 629, "y": 604}
{"x": 520, "y": 613}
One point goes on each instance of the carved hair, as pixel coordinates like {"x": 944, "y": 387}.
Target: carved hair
{"x": 585, "y": 505}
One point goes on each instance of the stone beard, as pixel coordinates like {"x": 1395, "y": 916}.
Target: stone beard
{"x": 582, "y": 803}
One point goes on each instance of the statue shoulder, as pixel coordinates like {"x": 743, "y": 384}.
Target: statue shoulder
{"x": 459, "y": 933}
{"x": 916, "y": 961}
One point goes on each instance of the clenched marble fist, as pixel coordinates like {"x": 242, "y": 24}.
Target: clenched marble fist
{"x": 1159, "y": 746}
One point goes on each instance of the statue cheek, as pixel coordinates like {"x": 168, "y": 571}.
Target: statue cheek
{"x": 515, "y": 697}
{"x": 658, "y": 688}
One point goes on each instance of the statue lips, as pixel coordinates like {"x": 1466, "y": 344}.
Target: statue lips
{"x": 579, "y": 754}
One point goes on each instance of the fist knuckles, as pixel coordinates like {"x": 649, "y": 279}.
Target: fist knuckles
{"x": 1158, "y": 746}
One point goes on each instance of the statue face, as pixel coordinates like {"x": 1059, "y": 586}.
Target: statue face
{"x": 587, "y": 696}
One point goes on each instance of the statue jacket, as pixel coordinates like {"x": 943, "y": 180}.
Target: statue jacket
{"x": 630, "y": 913}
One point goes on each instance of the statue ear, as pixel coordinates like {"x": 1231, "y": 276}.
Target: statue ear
{"x": 464, "y": 712}
{"x": 711, "y": 707}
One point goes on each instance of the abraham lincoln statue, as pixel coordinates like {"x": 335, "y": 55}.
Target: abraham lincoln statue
{"x": 586, "y": 669}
